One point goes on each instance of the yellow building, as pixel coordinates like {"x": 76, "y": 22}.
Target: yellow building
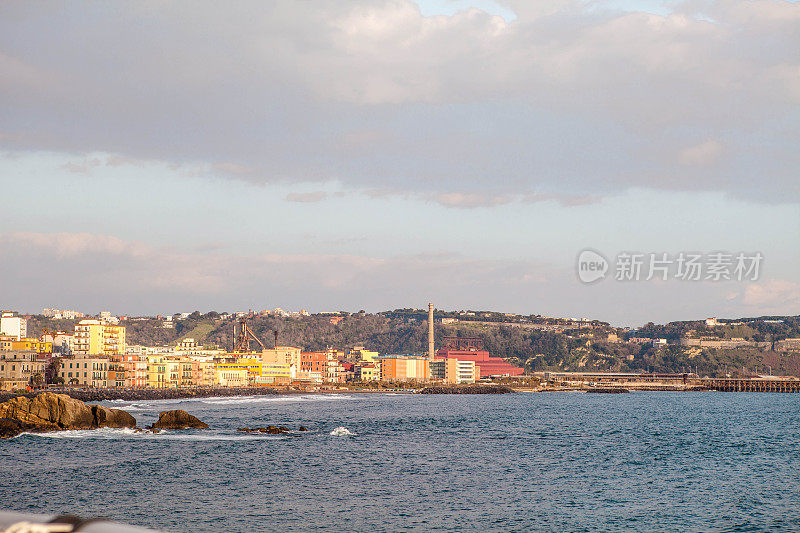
{"x": 170, "y": 371}
{"x": 25, "y": 344}
{"x": 274, "y": 374}
{"x": 251, "y": 364}
{"x": 95, "y": 337}
{"x": 369, "y": 372}
{"x": 157, "y": 375}
{"x": 368, "y": 356}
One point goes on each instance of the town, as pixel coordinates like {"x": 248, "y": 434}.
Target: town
{"x": 97, "y": 354}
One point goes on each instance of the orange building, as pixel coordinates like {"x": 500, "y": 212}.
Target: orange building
{"x": 404, "y": 367}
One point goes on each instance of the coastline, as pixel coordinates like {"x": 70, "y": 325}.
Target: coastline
{"x": 101, "y": 395}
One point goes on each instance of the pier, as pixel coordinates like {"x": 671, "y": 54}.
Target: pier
{"x": 752, "y": 384}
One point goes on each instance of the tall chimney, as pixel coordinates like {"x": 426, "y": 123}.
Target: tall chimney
{"x": 430, "y": 331}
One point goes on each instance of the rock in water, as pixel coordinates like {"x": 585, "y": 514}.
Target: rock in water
{"x": 177, "y": 419}
{"x": 105, "y": 417}
{"x": 11, "y": 428}
{"x": 48, "y": 412}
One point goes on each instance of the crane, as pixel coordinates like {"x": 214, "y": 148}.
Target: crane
{"x": 243, "y": 336}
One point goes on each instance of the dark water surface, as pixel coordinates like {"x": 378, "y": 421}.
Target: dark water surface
{"x": 644, "y": 461}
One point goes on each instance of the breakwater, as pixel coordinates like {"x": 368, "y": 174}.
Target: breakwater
{"x": 467, "y": 390}
{"x": 100, "y": 395}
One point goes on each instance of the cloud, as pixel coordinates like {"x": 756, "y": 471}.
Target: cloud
{"x": 65, "y": 245}
{"x": 469, "y": 200}
{"x": 773, "y": 296}
{"x": 703, "y": 154}
{"x": 307, "y": 197}
{"x": 84, "y": 166}
{"x": 566, "y": 97}
{"x": 104, "y": 271}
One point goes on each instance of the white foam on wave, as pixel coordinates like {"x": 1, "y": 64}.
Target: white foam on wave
{"x": 103, "y": 433}
{"x": 240, "y": 400}
{"x": 342, "y": 431}
{"x": 136, "y": 407}
{"x": 128, "y": 433}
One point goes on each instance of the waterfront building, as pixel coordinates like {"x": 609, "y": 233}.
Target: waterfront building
{"x": 453, "y": 371}
{"x": 96, "y": 337}
{"x": 135, "y": 367}
{"x": 252, "y": 364}
{"x": 157, "y": 376}
{"x": 116, "y": 371}
{"x": 274, "y": 374}
{"x": 21, "y": 369}
{"x": 368, "y": 372}
{"x": 327, "y": 364}
{"x": 204, "y": 372}
{"x": 232, "y": 377}
{"x": 85, "y": 371}
{"x": 471, "y": 349}
{"x": 13, "y": 325}
{"x": 404, "y": 367}
{"x": 284, "y": 354}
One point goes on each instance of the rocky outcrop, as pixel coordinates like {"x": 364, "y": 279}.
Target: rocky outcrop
{"x": 178, "y": 419}
{"x": 471, "y": 389}
{"x": 11, "y": 428}
{"x": 105, "y": 417}
{"x": 49, "y": 412}
{"x": 54, "y": 412}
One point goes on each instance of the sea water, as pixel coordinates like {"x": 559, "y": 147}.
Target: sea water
{"x": 645, "y": 461}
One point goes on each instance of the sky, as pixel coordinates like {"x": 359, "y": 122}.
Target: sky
{"x": 160, "y": 157}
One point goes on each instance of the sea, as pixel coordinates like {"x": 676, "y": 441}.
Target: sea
{"x": 561, "y": 461}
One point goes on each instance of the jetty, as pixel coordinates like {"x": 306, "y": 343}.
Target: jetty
{"x": 752, "y": 384}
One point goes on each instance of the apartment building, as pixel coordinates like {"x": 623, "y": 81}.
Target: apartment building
{"x": 20, "y": 369}
{"x": 85, "y": 371}
{"x": 13, "y": 325}
{"x": 96, "y": 337}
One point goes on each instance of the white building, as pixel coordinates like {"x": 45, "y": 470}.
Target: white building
{"x": 13, "y": 325}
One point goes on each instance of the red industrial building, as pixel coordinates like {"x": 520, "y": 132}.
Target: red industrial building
{"x": 471, "y": 349}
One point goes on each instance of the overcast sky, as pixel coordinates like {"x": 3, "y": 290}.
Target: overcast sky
{"x": 158, "y": 157}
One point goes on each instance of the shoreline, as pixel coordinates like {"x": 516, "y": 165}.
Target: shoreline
{"x": 102, "y": 395}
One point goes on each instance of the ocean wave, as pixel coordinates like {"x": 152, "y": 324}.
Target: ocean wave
{"x": 342, "y": 431}
{"x": 128, "y": 433}
{"x": 103, "y": 433}
{"x": 134, "y": 407}
{"x": 239, "y": 400}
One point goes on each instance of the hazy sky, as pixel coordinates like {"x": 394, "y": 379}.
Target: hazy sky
{"x": 158, "y": 157}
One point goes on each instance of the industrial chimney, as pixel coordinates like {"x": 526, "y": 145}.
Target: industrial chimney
{"x": 430, "y": 332}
